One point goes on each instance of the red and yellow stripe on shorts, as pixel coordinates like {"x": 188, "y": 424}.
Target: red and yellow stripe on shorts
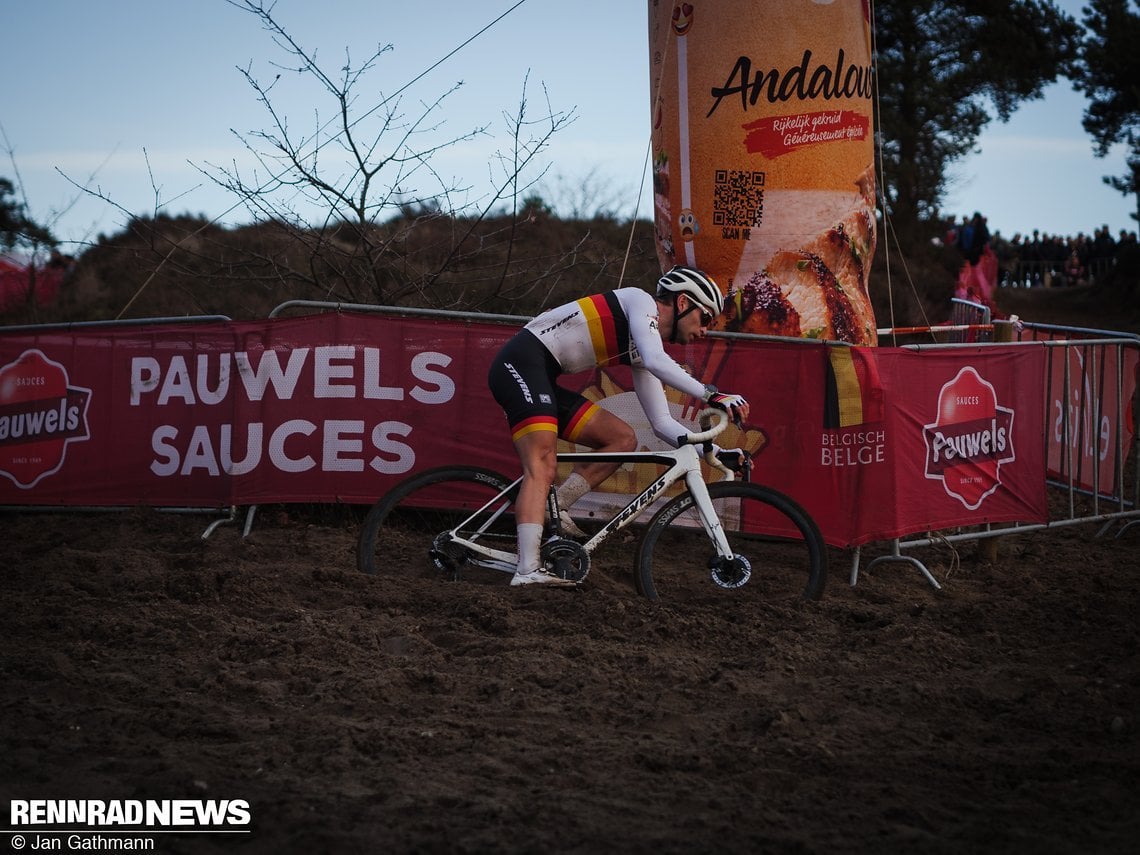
{"x": 532, "y": 424}
{"x": 574, "y": 426}
{"x": 579, "y": 420}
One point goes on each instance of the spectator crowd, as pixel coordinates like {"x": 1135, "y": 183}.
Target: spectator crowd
{"x": 1040, "y": 259}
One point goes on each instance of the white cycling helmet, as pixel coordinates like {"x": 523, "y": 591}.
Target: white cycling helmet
{"x": 698, "y": 286}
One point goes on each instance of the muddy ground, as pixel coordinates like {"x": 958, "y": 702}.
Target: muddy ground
{"x": 366, "y": 714}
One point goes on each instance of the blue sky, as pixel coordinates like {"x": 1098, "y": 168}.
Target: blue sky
{"x": 126, "y": 96}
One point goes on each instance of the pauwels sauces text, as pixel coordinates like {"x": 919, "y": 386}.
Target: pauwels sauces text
{"x": 313, "y": 378}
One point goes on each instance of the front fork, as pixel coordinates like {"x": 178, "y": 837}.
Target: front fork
{"x": 709, "y": 519}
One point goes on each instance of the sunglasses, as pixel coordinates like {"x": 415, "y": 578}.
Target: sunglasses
{"x": 706, "y": 315}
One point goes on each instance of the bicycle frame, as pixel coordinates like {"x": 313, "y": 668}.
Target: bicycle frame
{"x": 681, "y": 463}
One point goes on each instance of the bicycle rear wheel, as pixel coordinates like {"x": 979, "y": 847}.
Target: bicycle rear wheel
{"x": 398, "y": 536}
{"x": 782, "y": 551}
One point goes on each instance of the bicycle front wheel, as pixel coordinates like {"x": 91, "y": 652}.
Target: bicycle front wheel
{"x": 401, "y": 533}
{"x": 779, "y": 548}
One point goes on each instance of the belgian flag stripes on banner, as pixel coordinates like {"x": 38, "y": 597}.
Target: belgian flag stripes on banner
{"x": 853, "y": 393}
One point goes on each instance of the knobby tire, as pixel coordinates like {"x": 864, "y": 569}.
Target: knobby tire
{"x": 784, "y": 546}
{"x": 397, "y": 534}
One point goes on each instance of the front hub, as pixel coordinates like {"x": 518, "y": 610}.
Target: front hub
{"x": 730, "y": 572}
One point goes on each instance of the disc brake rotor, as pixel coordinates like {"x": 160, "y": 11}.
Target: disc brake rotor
{"x": 730, "y": 572}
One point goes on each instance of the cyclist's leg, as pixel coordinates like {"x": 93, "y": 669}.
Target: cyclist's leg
{"x": 583, "y": 422}
{"x": 537, "y": 450}
{"x": 521, "y": 378}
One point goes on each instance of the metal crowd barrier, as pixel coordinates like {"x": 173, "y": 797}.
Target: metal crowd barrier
{"x": 971, "y": 323}
{"x": 1115, "y": 504}
{"x": 968, "y": 322}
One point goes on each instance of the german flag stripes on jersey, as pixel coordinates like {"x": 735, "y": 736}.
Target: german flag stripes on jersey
{"x": 608, "y": 327}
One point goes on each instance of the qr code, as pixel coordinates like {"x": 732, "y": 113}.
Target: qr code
{"x": 738, "y": 198}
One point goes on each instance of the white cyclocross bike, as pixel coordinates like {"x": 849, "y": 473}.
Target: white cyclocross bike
{"x": 452, "y": 519}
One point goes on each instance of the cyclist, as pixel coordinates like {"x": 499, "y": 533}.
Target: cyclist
{"x": 628, "y": 327}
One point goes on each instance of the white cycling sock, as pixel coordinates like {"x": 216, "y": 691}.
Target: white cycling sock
{"x": 572, "y": 489}
{"x": 529, "y": 538}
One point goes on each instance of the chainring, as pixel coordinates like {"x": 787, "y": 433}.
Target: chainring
{"x": 566, "y": 558}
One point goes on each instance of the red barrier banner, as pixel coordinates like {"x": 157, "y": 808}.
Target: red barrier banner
{"x": 325, "y": 408}
{"x": 1085, "y": 413}
{"x": 875, "y": 442}
{"x": 1090, "y": 385}
{"x": 881, "y": 442}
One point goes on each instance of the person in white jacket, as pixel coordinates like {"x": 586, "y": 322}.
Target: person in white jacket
{"x": 623, "y": 327}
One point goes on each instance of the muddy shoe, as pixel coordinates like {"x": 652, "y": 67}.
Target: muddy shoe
{"x": 569, "y": 527}
{"x": 541, "y": 577}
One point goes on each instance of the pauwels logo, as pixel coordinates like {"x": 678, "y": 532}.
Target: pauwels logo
{"x": 970, "y": 439}
{"x": 40, "y": 414}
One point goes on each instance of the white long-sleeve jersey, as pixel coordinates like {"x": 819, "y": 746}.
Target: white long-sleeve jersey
{"x": 619, "y": 328}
